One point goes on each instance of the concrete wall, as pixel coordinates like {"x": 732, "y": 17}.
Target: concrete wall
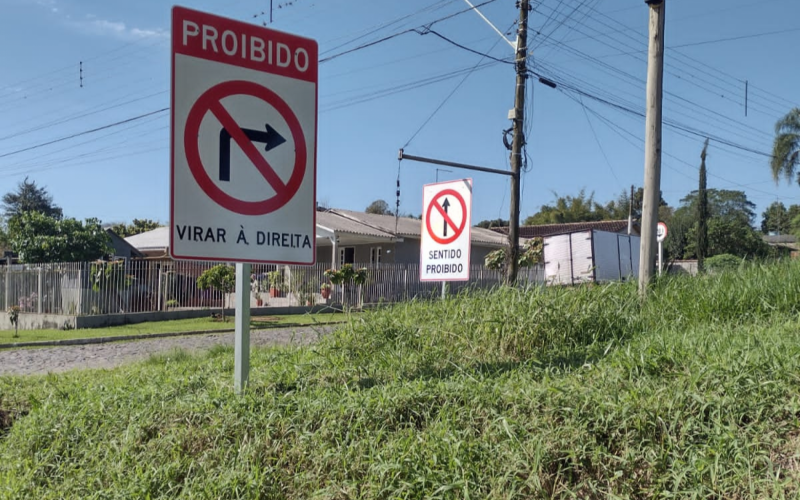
{"x": 683, "y": 267}
{"x": 38, "y": 322}
{"x": 59, "y": 321}
{"x": 136, "y": 318}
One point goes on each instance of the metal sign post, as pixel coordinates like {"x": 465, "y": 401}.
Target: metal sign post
{"x": 241, "y": 364}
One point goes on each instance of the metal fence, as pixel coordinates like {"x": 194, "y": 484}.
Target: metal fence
{"x": 81, "y": 289}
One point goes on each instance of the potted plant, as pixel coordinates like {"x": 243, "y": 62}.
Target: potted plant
{"x": 13, "y": 316}
{"x": 276, "y": 284}
{"x": 325, "y": 290}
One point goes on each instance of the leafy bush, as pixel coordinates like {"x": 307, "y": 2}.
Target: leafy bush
{"x": 724, "y": 262}
{"x": 221, "y": 278}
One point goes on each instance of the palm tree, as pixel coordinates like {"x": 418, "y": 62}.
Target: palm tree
{"x": 786, "y": 151}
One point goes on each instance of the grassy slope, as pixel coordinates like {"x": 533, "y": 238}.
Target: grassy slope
{"x": 175, "y": 326}
{"x": 557, "y": 393}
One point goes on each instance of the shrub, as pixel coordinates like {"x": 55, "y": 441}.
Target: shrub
{"x": 723, "y": 262}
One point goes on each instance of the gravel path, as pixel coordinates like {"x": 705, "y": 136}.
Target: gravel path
{"x": 60, "y": 359}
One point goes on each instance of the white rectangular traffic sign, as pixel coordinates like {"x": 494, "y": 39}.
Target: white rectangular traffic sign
{"x": 446, "y": 231}
{"x": 244, "y": 142}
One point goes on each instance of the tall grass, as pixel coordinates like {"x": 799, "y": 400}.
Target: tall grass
{"x": 544, "y": 393}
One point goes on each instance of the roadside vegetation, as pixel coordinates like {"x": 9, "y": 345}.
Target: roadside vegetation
{"x": 174, "y": 326}
{"x": 545, "y": 393}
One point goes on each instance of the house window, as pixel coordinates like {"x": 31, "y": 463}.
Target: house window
{"x": 375, "y": 256}
{"x": 347, "y": 255}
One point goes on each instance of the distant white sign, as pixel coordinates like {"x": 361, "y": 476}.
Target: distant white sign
{"x": 661, "y": 233}
{"x": 446, "y": 231}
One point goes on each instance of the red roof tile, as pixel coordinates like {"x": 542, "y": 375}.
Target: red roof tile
{"x": 613, "y": 226}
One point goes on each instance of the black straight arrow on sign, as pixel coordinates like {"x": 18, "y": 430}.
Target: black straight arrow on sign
{"x": 445, "y": 206}
{"x": 270, "y": 137}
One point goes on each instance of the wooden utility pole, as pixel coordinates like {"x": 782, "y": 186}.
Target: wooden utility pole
{"x": 512, "y": 265}
{"x": 652, "y": 160}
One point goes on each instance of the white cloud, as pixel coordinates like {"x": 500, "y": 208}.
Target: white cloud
{"x": 120, "y": 30}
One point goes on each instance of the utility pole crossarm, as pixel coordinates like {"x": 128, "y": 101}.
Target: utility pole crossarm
{"x": 403, "y": 156}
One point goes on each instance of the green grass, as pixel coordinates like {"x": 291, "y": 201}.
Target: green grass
{"x": 175, "y": 326}
{"x": 554, "y": 393}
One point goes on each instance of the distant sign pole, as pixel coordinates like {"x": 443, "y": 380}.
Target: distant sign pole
{"x": 244, "y": 147}
{"x": 446, "y": 231}
{"x": 661, "y": 235}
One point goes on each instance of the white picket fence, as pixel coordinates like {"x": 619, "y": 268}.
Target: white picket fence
{"x": 85, "y": 288}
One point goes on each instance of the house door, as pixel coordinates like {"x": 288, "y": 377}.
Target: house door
{"x": 347, "y": 255}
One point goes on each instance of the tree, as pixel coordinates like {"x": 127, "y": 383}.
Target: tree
{"x": 221, "y": 278}
{"x": 38, "y": 238}
{"x": 618, "y": 209}
{"x": 777, "y": 219}
{"x": 566, "y": 209}
{"x": 378, "y": 207}
{"x": 786, "y": 148}
{"x": 488, "y": 224}
{"x": 137, "y": 227}
{"x": 726, "y": 204}
{"x": 729, "y": 226}
{"x": 702, "y": 212}
{"x": 30, "y": 198}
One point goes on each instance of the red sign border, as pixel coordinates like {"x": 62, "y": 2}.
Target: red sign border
{"x": 198, "y": 112}
{"x": 462, "y": 226}
{"x": 666, "y": 230}
{"x": 423, "y": 279}
{"x": 176, "y": 13}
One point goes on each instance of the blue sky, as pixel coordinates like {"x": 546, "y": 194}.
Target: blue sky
{"x": 372, "y": 101}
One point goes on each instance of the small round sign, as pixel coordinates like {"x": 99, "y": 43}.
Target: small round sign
{"x": 661, "y": 233}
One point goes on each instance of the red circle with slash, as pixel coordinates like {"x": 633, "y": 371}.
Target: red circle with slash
{"x": 211, "y": 101}
{"x": 457, "y": 229}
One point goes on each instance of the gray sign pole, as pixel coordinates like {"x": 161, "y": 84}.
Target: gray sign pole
{"x": 241, "y": 366}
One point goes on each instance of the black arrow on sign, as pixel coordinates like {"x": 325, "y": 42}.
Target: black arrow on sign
{"x": 445, "y": 206}
{"x": 271, "y": 138}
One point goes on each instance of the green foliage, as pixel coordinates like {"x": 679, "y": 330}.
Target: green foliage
{"x": 38, "y": 238}
{"x": 724, "y": 262}
{"x": 545, "y": 393}
{"x": 729, "y": 226}
{"x": 702, "y": 214}
{"x": 29, "y": 198}
{"x": 13, "y": 317}
{"x": 565, "y": 209}
{"x": 221, "y": 278}
{"x": 488, "y": 224}
{"x": 777, "y": 219}
{"x": 786, "y": 148}
{"x": 530, "y": 254}
{"x": 347, "y": 274}
{"x": 583, "y": 208}
{"x": 379, "y": 207}
{"x": 138, "y": 226}
{"x": 276, "y": 280}
{"x": 110, "y": 276}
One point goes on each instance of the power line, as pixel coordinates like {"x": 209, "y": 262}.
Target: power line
{"x": 731, "y": 39}
{"x": 85, "y": 132}
{"x": 452, "y": 92}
